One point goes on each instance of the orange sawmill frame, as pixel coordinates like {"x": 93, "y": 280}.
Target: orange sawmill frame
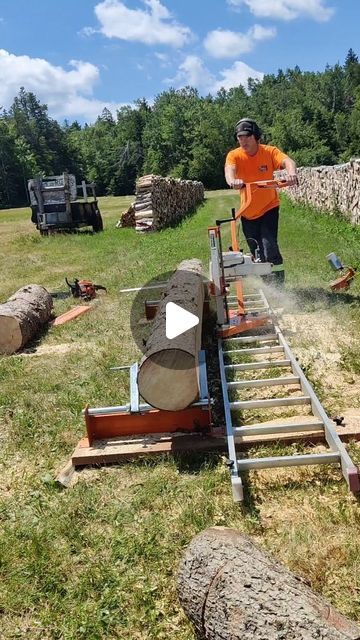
{"x": 125, "y": 423}
{"x": 239, "y": 319}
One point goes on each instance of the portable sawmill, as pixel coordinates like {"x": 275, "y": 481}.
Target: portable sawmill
{"x": 253, "y": 354}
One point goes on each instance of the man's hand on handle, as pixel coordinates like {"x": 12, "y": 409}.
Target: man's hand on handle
{"x": 237, "y": 184}
{"x": 292, "y": 180}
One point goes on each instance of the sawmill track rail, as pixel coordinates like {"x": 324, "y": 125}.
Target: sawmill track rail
{"x": 275, "y": 354}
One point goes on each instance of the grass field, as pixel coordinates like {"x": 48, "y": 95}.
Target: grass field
{"x": 98, "y": 560}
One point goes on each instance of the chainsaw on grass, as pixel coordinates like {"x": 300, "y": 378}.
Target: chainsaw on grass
{"x": 84, "y": 289}
{"x": 347, "y": 273}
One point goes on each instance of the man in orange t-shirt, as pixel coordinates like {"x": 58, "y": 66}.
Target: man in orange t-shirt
{"x": 250, "y": 162}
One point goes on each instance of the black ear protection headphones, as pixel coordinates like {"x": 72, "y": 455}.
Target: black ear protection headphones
{"x": 252, "y": 128}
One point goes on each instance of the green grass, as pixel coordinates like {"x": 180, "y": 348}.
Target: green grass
{"x": 99, "y": 560}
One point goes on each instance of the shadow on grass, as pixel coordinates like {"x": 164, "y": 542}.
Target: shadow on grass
{"x": 193, "y": 463}
{"x": 250, "y": 505}
{"x": 189, "y": 462}
{"x": 35, "y": 342}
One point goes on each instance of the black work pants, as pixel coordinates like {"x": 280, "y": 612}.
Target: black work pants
{"x": 262, "y": 233}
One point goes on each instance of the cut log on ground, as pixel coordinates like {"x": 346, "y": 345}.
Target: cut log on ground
{"x": 230, "y": 588}
{"x": 22, "y": 316}
{"x": 168, "y": 373}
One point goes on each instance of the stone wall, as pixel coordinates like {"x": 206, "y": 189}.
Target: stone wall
{"x": 162, "y": 202}
{"x": 331, "y": 188}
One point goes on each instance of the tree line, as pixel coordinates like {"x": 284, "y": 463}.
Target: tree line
{"x": 312, "y": 116}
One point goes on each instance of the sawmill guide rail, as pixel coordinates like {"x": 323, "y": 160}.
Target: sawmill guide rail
{"x": 319, "y": 422}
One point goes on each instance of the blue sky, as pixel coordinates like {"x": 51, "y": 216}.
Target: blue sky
{"x": 80, "y": 56}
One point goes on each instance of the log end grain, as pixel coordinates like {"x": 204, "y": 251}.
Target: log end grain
{"x": 22, "y": 316}
{"x": 168, "y": 375}
{"x": 169, "y": 379}
{"x": 10, "y": 335}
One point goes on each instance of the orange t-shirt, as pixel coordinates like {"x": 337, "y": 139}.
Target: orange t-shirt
{"x": 258, "y": 167}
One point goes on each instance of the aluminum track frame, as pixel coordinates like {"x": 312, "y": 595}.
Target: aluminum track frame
{"x": 320, "y": 422}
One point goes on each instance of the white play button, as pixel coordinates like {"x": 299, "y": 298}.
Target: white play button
{"x": 178, "y": 320}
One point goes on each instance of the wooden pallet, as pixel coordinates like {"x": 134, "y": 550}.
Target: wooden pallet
{"x": 122, "y": 449}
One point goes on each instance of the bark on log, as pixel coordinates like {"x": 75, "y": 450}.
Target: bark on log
{"x": 22, "y": 316}
{"x": 230, "y": 589}
{"x": 168, "y": 373}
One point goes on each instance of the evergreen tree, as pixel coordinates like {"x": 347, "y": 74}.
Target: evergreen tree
{"x": 314, "y": 117}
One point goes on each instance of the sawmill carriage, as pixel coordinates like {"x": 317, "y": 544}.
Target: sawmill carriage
{"x": 59, "y": 204}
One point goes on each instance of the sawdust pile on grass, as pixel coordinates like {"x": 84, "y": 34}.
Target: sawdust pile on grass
{"x": 319, "y": 341}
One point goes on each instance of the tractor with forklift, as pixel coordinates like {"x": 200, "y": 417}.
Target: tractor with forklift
{"x": 59, "y": 204}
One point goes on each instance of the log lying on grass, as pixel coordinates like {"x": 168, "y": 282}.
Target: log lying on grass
{"x": 168, "y": 373}
{"x": 22, "y": 315}
{"x": 229, "y": 588}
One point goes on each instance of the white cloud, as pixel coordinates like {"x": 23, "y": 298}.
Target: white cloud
{"x": 287, "y": 9}
{"x": 79, "y": 107}
{"x": 67, "y": 93}
{"x": 163, "y": 59}
{"x": 239, "y": 73}
{"x": 230, "y": 44}
{"x": 87, "y": 31}
{"x": 192, "y": 72}
{"x": 152, "y": 25}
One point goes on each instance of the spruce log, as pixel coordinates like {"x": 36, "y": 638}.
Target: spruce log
{"x": 168, "y": 373}
{"x": 230, "y": 588}
{"x": 22, "y": 315}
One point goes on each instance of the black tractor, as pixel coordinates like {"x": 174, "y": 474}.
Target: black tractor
{"x": 59, "y": 204}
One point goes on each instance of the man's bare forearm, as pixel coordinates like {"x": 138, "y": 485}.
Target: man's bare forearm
{"x": 290, "y": 167}
{"x": 231, "y": 179}
{"x": 229, "y": 174}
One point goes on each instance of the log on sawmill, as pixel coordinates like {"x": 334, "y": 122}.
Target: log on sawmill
{"x": 22, "y": 316}
{"x": 168, "y": 375}
{"x": 230, "y": 588}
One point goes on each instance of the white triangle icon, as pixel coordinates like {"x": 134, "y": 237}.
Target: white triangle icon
{"x": 178, "y": 320}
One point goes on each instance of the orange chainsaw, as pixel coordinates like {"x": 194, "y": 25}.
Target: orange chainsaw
{"x": 347, "y": 273}
{"x": 84, "y": 289}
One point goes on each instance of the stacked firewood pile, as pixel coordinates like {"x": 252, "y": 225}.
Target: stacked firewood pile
{"x": 127, "y": 217}
{"x": 331, "y": 188}
{"x": 162, "y": 202}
